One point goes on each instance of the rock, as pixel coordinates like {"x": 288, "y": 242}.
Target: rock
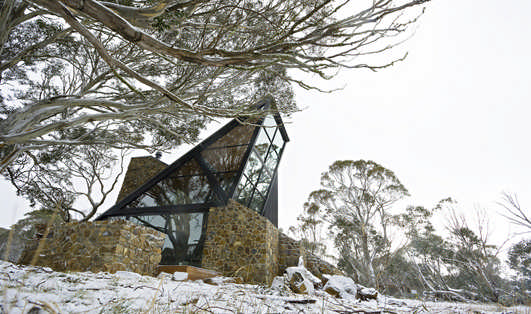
{"x": 340, "y": 286}
{"x": 299, "y": 284}
{"x": 301, "y": 280}
{"x": 333, "y": 291}
{"x": 127, "y": 275}
{"x": 365, "y": 294}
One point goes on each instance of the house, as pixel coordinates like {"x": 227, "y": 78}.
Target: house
{"x": 218, "y": 203}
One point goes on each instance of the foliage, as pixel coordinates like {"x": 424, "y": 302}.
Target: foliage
{"x": 461, "y": 266}
{"x": 150, "y": 75}
{"x": 519, "y": 258}
{"x": 160, "y": 68}
{"x": 310, "y": 229}
{"x": 61, "y": 175}
{"x": 355, "y": 202}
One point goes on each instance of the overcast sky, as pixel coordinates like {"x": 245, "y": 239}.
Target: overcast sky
{"x": 451, "y": 120}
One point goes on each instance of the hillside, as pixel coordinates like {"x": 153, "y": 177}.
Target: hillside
{"x": 27, "y": 289}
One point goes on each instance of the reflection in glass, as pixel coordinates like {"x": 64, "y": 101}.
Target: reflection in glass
{"x": 261, "y": 165}
{"x": 226, "y": 158}
{"x": 262, "y": 143}
{"x": 241, "y": 135}
{"x": 207, "y": 176}
{"x": 175, "y": 190}
{"x": 278, "y": 142}
{"x": 183, "y": 243}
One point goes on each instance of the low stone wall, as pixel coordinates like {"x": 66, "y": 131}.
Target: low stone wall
{"x": 240, "y": 242}
{"x": 98, "y": 246}
{"x": 290, "y": 251}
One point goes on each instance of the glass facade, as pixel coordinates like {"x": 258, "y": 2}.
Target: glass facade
{"x": 184, "y": 232}
{"x": 238, "y": 162}
{"x": 259, "y": 171}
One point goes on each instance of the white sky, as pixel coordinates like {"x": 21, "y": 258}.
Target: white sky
{"x": 451, "y": 120}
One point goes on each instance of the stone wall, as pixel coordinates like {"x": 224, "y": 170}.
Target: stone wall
{"x": 140, "y": 170}
{"x": 240, "y": 242}
{"x": 98, "y": 246}
{"x": 290, "y": 251}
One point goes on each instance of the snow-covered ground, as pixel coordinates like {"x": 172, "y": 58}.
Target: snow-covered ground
{"x": 26, "y": 289}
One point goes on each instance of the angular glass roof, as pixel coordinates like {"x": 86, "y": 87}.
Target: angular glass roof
{"x": 237, "y": 162}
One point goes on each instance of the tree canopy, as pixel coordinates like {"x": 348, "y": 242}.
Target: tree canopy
{"x": 146, "y": 73}
{"x": 355, "y": 201}
{"x": 150, "y": 74}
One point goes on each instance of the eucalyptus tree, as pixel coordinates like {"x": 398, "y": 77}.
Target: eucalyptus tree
{"x": 57, "y": 178}
{"x": 150, "y": 74}
{"x": 355, "y": 201}
{"x": 137, "y": 67}
{"x": 310, "y": 228}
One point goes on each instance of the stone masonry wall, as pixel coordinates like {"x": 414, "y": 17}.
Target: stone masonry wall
{"x": 99, "y": 246}
{"x": 290, "y": 251}
{"x": 140, "y": 170}
{"x": 240, "y": 242}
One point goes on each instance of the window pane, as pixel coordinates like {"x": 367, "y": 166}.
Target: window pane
{"x": 175, "y": 190}
{"x": 263, "y": 183}
{"x": 257, "y": 203}
{"x": 278, "y": 142}
{"x": 271, "y": 160}
{"x": 269, "y": 126}
{"x": 183, "y": 243}
{"x": 225, "y": 159}
{"x": 245, "y": 189}
{"x": 253, "y": 167}
{"x": 226, "y": 180}
{"x": 262, "y": 144}
{"x": 240, "y": 135}
{"x": 191, "y": 167}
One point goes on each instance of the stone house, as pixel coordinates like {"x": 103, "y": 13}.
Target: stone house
{"x": 218, "y": 203}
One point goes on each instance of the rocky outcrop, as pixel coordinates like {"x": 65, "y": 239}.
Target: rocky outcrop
{"x": 301, "y": 281}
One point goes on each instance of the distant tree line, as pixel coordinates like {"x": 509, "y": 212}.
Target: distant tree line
{"x": 399, "y": 251}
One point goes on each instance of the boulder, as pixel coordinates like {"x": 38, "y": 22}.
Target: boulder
{"x": 366, "y": 294}
{"x": 301, "y": 280}
{"x": 340, "y": 286}
{"x": 333, "y": 291}
{"x": 299, "y": 284}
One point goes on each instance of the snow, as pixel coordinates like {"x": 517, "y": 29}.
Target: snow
{"x": 344, "y": 285}
{"x": 24, "y": 287}
{"x": 179, "y": 276}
